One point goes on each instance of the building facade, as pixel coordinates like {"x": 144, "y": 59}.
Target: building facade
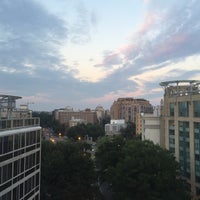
{"x": 19, "y": 152}
{"x": 115, "y": 127}
{"x": 151, "y": 126}
{"x": 180, "y": 127}
{"x": 65, "y": 115}
{"x": 130, "y": 110}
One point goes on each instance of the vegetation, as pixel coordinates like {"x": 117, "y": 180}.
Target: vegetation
{"x": 139, "y": 170}
{"x": 67, "y": 172}
{"x": 47, "y": 120}
{"x": 132, "y": 169}
{"x": 81, "y": 130}
{"x": 130, "y": 131}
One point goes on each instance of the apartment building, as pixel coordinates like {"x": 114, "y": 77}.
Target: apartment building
{"x": 130, "y": 109}
{"x": 180, "y": 127}
{"x": 65, "y": 115}
{"x": 19, "y": 151}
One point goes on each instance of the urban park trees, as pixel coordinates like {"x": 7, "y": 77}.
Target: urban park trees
{"x": 142, "y": 171}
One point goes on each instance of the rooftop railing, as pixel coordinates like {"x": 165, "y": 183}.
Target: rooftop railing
{"x": 7, "y": 124}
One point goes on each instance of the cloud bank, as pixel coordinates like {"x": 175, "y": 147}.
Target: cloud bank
{"x": 165, "y": 46}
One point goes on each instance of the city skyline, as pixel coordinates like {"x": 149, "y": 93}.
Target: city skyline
{"x": 85, "y": 53}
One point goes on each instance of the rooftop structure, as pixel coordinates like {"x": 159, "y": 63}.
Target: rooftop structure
{"x": 181, "y": 87}
{"x": 7, "y": 105}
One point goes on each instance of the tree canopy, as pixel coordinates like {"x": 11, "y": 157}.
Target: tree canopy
{"x": 141, "y": 171}
{"x": 130, "y": 130}
{"x": 47, "y": 120}
{"x": 67, "y": 172}
{"x": 81, "y": 130}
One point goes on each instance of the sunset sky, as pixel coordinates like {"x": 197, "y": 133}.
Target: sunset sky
{"x": 84, "y": 53}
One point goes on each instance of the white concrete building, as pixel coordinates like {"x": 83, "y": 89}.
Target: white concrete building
{"x": 151, "y": 126}
{"x": 115, "y": 126}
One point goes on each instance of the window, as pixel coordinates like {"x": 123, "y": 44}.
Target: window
{"x": 196, "y": 108}
{"x": 7, "y": 172}
{"x": 171, "y": 109}
{"x": 184, "y": 148}
{"x": 7, "y": 143}
{"x": 183, "y": 109}
{"x": 17, "y": 142}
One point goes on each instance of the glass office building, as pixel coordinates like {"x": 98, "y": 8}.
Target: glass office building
{"x": 180, "y": 132}
{"x": 20, "y": 136}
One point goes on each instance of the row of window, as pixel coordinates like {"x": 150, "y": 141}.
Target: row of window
{"x": 19, "y": 167}
{"x": 24, "y": 191}
{"x": 184, "y": 147}
{"x": 12, "y": 123}
{"x": 17, "y": 141}
{"x": 183, "y": 109}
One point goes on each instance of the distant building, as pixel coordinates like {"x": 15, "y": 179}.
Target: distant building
{"x": 100, "y": 113}
{"x": 20, "y": 135}
{"x": 87, "y": 116}
{"x": 114, "y": 127}
{"x": 130, "y": 110}
{"x": 151, "y": 126}
{"x": 180, "y": 127}
{"x": 75, "y": 122}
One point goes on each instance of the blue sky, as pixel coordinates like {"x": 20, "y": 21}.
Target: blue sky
{"x": 84, "y": 53}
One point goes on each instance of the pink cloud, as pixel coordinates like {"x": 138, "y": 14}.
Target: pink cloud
{"x": 170, "y": 45}
{"x": 112, "y": 59}
{"x": 148, "y": 23}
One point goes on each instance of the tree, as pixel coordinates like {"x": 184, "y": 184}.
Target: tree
{"x": 143, "y": 171}
{"x": 67, "y": 172}
{"x": 81, "y": 130}
{"x": 108, "y": 152}
{"x": 47, "y": 120}
{"x": 130, "y": 131}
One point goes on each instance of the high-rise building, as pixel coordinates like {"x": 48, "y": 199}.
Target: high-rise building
{"x": 20, "y": 135}
{"x": 180, "y": 127}
{"x": 130, "y": 109}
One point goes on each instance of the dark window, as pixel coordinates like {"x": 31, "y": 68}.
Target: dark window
{"x": 196, "y": 108}
{"x": 171, "y": 111}
{"x": 183, "y": 109}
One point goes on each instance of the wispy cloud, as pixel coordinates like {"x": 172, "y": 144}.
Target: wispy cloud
{"x": 164, "y": 46}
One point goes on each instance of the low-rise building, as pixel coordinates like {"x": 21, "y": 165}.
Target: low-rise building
{"x": 114, "y": 127}
{"x": 151, "y": 126}
{"x": 75, "y": 122}
{"x": 65, "y": 115}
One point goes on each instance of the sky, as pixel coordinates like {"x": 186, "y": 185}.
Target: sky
{"x": 85, "y": 53}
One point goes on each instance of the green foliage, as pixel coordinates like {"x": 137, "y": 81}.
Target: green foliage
{"x": 47, "y": 120}
{"x": 130, "y": 131}
{"x": 108, "y": 152}
{"x": 105, "y": 120}
{"x": 141, "y": 171}
{"x": 81, "y": 130}
{"x": 67, "y": 172}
